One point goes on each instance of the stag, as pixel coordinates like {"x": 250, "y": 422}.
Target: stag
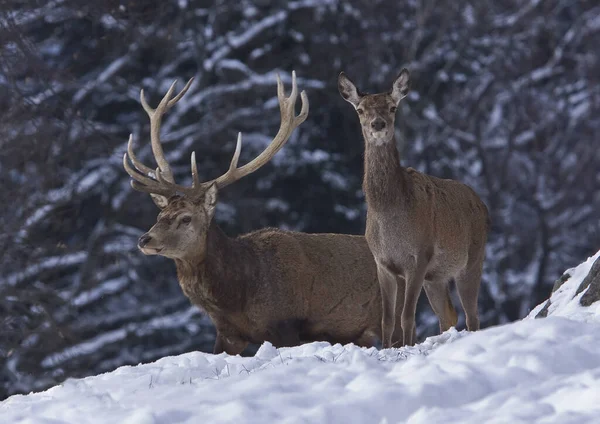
{"x": 281, "y": 286}
{"x": 423, "y": 231}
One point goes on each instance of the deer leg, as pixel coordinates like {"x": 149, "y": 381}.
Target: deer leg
{"x": 467, "y": 286}
{"x": 218, "y": 347}
{"x": 398, "y": 336}
{"x": 414, "y": 283}
{"x": 229, "y": 345}
{"x": 389, "y": 289}
{"x": 366, "y": 339}
{"x": 438, "y": 294}
{"x": 285, "y": 333}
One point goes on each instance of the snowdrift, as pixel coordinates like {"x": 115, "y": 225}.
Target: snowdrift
{"x": 535, "y": 370}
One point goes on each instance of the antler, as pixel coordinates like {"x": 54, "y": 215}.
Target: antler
{"x": 288, "y": 124}
{"x": 155, "y": 116}
{"x": 161, "y": 181}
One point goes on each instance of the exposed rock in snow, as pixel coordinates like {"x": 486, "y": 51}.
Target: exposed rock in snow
{"x": 576, "y": 289}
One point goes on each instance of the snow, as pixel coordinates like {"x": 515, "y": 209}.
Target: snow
{"x": 530, "y": 371}
{"x": 46, "y": 94}
{"x": 49, "y": 263}
{"x": 315, "y": 156}
{"x": 350, "y": 213}
{"x": 236, "y": 41}
{"x": 579, "y": 111}
{"x": 92, "y": 179}
{"x": 107, "y": 287}
{"x": 277, "y": 205}
{"x": 524, "y": 137}
{"x": 468, "y": 15}
{"x": 430, "y": 112}
{"x": 336, "y": 180}
{"x": 564, "y": 301}
{"x": 104, "y": 76}
{"x": 495, "y": 117}
{"x": 235, "y": 64}
{"x": 510, "y": 20}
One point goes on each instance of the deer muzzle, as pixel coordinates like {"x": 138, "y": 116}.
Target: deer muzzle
{"x": 144, "y": 244}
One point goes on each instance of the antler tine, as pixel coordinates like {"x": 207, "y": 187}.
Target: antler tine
{"x": 280, "y": 88}
{"x": 287, "y": 107}
{"x": 288, "y": 123}
{"x": 303, "y": 112}
{"x": 291, "y": 102}
{"x": 155, "y": 116}
{"x": 181, "y": 93}
{"x": 138, "y": 165}
{"x": 147, "y": 184}
{"x": 144, "y": 183}
{"x": 236, "y": 154}
{"x": 157, "y": 182}
{"x": 294, "y": 93}
{"x": 195, "y": 178}
{"x": 196, "y": 184}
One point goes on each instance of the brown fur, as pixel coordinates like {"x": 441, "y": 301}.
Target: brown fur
{"x": 423, "y": 231}
{"x": 281, "y": 286}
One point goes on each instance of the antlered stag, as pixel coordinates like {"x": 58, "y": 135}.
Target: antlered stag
{"x": 281, "y": 286}
{"x": 423, "y": 231}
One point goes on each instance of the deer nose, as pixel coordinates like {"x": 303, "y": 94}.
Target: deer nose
{"x": 378, "y": 124}
{"x": 144, "y": 240}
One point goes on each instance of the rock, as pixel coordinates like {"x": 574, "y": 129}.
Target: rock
{"x": 544, "y": 312}
{"x": 591, "y": 285}
{"x": 592, "y": 280}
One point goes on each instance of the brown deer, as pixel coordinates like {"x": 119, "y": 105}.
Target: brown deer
{"x": 423, "y": 231}
{"x": 281, "y": 286}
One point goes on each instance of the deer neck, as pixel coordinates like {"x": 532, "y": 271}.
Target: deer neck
{"x": 384, "y": 177}
{"x": 217, "y": 280}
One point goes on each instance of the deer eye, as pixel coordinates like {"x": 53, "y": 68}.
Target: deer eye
{"x": 393, "y": 109}
{"x": 360, "y": 111}
{"x": 186, "y": 219}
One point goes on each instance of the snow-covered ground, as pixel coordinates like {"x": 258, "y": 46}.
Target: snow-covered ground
{"x": 531, "y": 371}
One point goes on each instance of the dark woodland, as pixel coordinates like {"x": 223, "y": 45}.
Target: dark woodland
{"x": 505, "y": 97}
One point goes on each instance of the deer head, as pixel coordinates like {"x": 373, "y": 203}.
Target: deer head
{"x": 181, "y": 227}
{"x": 186, "y": 212}
{"x": 377, "y": 112}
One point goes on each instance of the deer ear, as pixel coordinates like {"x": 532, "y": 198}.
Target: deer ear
{"x": 348, "y": 90}
{"x": 160, "y": 201}
{"x": 401, "y": 85}
{"x": 210, "y": 199}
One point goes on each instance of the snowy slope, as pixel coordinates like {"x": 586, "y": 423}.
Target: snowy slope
{"x": 535, "y": 370}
